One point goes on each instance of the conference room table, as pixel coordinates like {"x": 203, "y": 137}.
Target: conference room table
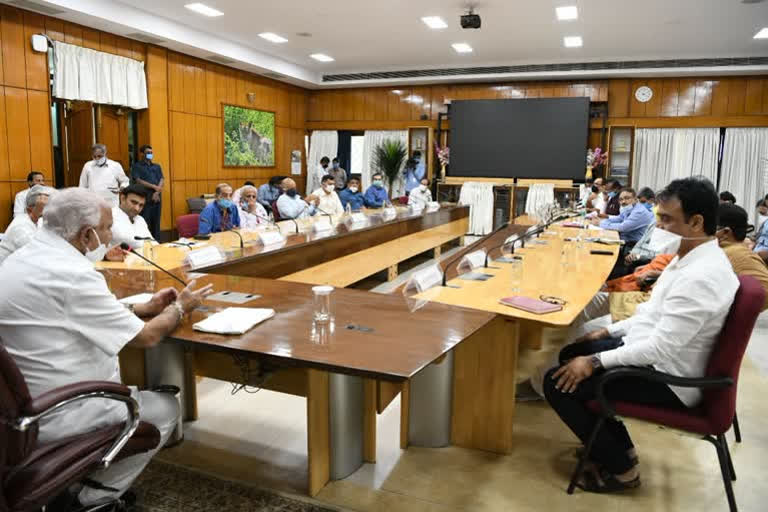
{"x": 319, "y": 250}
{"x": 453, "y": 365}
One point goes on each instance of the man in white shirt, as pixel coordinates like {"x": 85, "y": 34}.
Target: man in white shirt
{"x": 314, "y": 178}
{"x": 674, "y": 332}
{"x": 103, "y": 176}
{"x": 19, "y": 202}
{"x": 290, "y": 205}
{"x": 23, "y": 227}
{"x": 128, "y": 226}
{"x": 71, "y": 328}
{"x": 421, "y": 195}
{"x": 328, "y": 202}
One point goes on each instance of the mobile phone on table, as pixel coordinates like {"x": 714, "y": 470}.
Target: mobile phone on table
{"x": 604, "y": 253}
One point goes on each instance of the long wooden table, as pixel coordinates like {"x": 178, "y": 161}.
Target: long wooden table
{"x": 454, "y": 366}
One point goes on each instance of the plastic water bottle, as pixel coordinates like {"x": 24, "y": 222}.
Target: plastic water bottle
{"x": 348, "y": 209}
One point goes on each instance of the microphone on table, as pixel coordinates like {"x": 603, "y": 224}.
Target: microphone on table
{"x": 144, "y": 238}
{"x": 488, "y": 253}
{"x": 237, "y": 232}
{"x": 330, "y": 218}
{"x": 124, "y": 246}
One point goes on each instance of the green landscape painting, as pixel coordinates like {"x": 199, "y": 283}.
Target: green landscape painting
{"x": 249, "y": 137}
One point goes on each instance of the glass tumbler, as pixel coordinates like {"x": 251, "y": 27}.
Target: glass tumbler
{"x": 322, "y": 299}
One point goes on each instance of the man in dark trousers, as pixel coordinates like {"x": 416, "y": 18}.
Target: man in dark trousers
{"x": 147, "y": 173}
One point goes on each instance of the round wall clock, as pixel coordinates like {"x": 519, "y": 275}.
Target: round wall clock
{"x": 644, "y": 94}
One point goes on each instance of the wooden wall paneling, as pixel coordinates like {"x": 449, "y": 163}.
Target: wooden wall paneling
{"x": 6, "y": 204}
{"x": 242, "y": 89}
{"x": 156, "y": 129}
{"x": 178, "y": 199}
{"x": 636, "y": 108}
{"x": 178, "y": 147}
{"x": 423, "y": 104}
{"x": 313, "y": 107}
{"x": 268, "y": 93}
{"x": 55, "y": 29}
{"x": 188, "y": 81}
{"x": 618, "y": 98}
{"x": 737, "y": 91}
{"x": 221, "y": 89}
{"x": 18, "y": 136}
{"x": 765, "y": 97}
{"x": 719, "y": 97}
{"x": 603, "y": 94}
{"x": 92, "y": 39}
{"x": 579, "y": 90}
{"x": 108, "y": 42}
{"x": 687, "y": 99}
{"x": 13, "y": 43}
{"x": 231, "y": 79}
{"x": 175, "y": 82}
{"x": 211, "y": 90}
{"x": 203, "y": 144}
{"x": 376, "y": 106}
{"x": 41, "y": 150}
{"x": 213, "y": 134}
{"x": 653, "y": 106}
{"x": 281, "y": 150}
{"x": 282, "y": 107}
{"x": 139, "y": 50}
{"x": 124, "y": 47}
{"x": 702, "y": 104}
{"x": 532, "y": 91}
{"x": 753, "y": 103}
{"x": 73, "y": 34}
{"x": 5, "y": 173}
{"x": 36, "y": 63}
{"x": 201, "y": 106}
{"x": 297, "y": 106}
{"x": 670, "y": 92}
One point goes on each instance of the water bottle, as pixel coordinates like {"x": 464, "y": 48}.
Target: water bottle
{"x": 348, "y": 209}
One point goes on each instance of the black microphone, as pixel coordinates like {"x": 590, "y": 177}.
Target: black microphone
{"x": 330, "y": 218}
{"x": 124, "y": 246}
{"x": 233, "y": 230}
{"x": 488, "y": 253}
{"x": 144, "y": 238}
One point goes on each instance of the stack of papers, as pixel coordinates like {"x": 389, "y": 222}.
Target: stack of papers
{"x": 234, "y": 320}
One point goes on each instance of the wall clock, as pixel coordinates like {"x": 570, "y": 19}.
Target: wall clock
{"x": 644, "y": 94}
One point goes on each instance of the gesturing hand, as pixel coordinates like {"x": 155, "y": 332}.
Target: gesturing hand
{"x": 160, "y": 301}
{"x": 189, "y": 299}
{"x": 570, "y": 375}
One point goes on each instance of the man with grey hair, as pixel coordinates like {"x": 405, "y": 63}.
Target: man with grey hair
{"x": 62, "y": 325}
{"x": 23, "y": 227}
{"x": 103, "y": 176}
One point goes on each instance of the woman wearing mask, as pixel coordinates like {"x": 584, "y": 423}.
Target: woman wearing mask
{"x": 251, "y": 212}
{"x": 421, "y": 195}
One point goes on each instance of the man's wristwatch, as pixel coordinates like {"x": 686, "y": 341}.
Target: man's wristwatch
{"x": 177, "y": 307}
{"x": 596, "y": 362}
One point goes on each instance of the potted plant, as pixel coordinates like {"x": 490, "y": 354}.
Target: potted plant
{"x": 388, "y": 159}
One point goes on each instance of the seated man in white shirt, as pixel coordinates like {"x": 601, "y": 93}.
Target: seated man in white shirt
{"x": 23, "y": 227}
{"x": 19, "y": 202}
{"x": 421, "y": 195}
{"x": 328, "y": 201}
{"x": 675, "y": 332}
{"x": 128, "y": 226}
{"x": 252, "y": 213}
{"x": 291, "y": 206}
{"x": 103, "y": 176}
{"x": 72, "y": 328}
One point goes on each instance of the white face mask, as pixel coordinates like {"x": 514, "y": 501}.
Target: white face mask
{"x": 423, "y": 188}
{"x": 353, "y": 189}
{"x": 101, "y": 161}
{"x": 625, "y": 208}
{"x": 664, "y": 242}
{"x": 99, "y": 252}
{"x": 329, "y": 188}
{"x": 760, "y": 220}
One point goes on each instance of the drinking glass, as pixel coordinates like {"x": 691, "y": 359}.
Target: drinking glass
{"x": 516, "y": 275}
{"x": 322, "y": 299}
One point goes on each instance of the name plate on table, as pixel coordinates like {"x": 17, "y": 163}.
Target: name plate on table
{"x": 202, "y": 257}
{"x": 271, "y": 237}
{"x": 473, "y": 260}
{"x": 233, "y": 297}
{"x": 357, "y": 218}
{"x": 433, "y": 206}
{"x": 425, "y": 279}
{"x": 322, "y": 225}
{"x": 389, "y": 213}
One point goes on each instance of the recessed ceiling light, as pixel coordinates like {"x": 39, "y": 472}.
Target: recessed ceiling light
{"x": 322, "y": 57}
{"x": 462, "y": 47}
{"x": 573, "y": 41}
{"x": 763, "y": 34}
{"x": 435, "y": 22}
{"x": 566, "y": 13}
{"x": 303, "y": 34}
{"x": 273, "y": 38}
{"x": 204, "y": 9}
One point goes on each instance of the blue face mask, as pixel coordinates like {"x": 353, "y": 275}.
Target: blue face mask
{"x": 225, "y": 203}
{"x": 378, "y": 183}
{"x": 335, "y": 165}
{"x": 148, "y": 156}
{"x": 648, "y": 206}
{"x": 611, "y": 194}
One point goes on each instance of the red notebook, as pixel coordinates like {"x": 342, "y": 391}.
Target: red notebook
{"x": 535, "y": 306}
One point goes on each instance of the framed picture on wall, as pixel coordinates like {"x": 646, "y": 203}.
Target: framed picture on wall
{"x": 249, "y": 137}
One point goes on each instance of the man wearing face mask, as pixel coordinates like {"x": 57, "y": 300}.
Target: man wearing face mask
{"x": 352, "y": 196}
{"x": 674, "y": 332}
{"x": 221, "y": 214}
{"x": 613, "y": 205}
{"x": 127, "y": 222}
{"x": 414, "y": 172}
{"x": 327, "y": 199}
{"x": 761, "y": 240}
{"x": 103, "y": 176}
{"x": 269, "y": 192}
{"x": 24, "y": 227}
{"x": 596, "y": 200}
{"x": 291, "y": 206}
{"x": 632, "y": 221}
{"x": 148, "y": 173}
{"x": 421, "y": 195}
{"x": 315, "y": 177}
{"x": 376, "y": 195}
{"x": 72, "y": 329}
{"x": 339, "y": 175}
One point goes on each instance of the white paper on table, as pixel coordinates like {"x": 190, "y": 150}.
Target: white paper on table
{"x": 595, "y": 228}
{"x": 271, "y": 237}
{"x": 140, "y": 298}
{"x": 473, "y": 260}
{"x": 425, "y": 279}
{"x": 234, "y": 320}
{"x": 358, "y": 218}
{"x": 322, "y": 224}
{"x": 207, "y": 256}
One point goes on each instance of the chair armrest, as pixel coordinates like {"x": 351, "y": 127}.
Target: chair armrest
{"x": 653, "y": 376}
{"x": 47, "y": 400}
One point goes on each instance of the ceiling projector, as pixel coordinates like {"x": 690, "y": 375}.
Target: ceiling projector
{"x": 470, "y": 20}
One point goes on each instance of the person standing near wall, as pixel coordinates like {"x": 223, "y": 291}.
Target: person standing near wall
{"x": 149, "y": 174}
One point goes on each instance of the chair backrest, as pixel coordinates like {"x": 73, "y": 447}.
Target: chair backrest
{"x": 195, "y": 204}
{"x": 14, "y": 395}
{"x": 276, "y": 212}
{"x": 188, "y": 225}
{"x": 725, "y": 360}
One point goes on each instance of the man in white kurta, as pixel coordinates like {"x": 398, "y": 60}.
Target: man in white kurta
{"x": 328, "y": 201}
{"x": 103, "y": 176}
{"x": 24, "y": 226}
{"x": 20, "y": 201}
{"x": 128, "y": 226}
{"x": 62, "y": 325}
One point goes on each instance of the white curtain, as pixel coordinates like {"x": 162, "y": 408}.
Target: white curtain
{"x": 321, "y": 143}
{"x": 540, "y": 194}
{"x": 745, "y": 163}
{"x": 99, "y": 77}
{"x": 479, "y": 197}
{"x": 374, "y": 138}
{"x": 666, "y": 154}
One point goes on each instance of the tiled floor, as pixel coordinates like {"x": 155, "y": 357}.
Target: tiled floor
{"x": 261, "y": 439}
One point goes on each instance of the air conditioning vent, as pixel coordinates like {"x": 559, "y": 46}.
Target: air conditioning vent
{"x": 145, "y": 38}
{"x": 550, "y": 68}
{"x": 220, "y": 60}
{"x": 33, "y": 6}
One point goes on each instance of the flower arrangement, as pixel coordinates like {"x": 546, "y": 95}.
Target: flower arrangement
{"x": 443, "y": 154}
{"x": 596, "y": 157}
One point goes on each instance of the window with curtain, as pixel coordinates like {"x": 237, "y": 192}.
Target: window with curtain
{"x": 356, "y": 158}
{"x": 745, "y": 164}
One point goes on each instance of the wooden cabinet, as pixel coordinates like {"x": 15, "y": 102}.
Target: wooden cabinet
{"x": 621, "y": 141}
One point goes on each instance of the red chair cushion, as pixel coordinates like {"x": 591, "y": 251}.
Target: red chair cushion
{"x": 188, "y": 225}
{"x": 691, "y": 420}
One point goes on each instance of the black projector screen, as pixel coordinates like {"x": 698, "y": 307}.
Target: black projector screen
{"x": 525, "y": 138}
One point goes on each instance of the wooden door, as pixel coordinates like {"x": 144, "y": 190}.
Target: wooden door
{"x": 112, "y": 131}
{"x": 78, "y": 139}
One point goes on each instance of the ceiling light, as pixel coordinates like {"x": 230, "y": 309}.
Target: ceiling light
{"x": 273, "y": 38}
{"x": 204, "y": 9}
{"x": 567, "y": 13}
{"x": 397, "y": 91}
{"x": 573, "y": 42}
{"x": 462, "y": 47}
{"x": 763, "y": 34}
{"x": 322, "y": 57}
{"x": 435, "y": 22}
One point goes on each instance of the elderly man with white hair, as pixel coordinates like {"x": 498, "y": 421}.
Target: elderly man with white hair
{"x": 251, "y": 213}
{"x": 103, "y": 176}
{"x": 62, "y": 325}
{"x": 23, "y": 227}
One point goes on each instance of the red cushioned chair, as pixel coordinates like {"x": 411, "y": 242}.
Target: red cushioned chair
{"x": 276, "y": 212}
{"x": 188, "y": 225}
{"x": 32, "y": 474}
{"x": 717, "y": 410}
